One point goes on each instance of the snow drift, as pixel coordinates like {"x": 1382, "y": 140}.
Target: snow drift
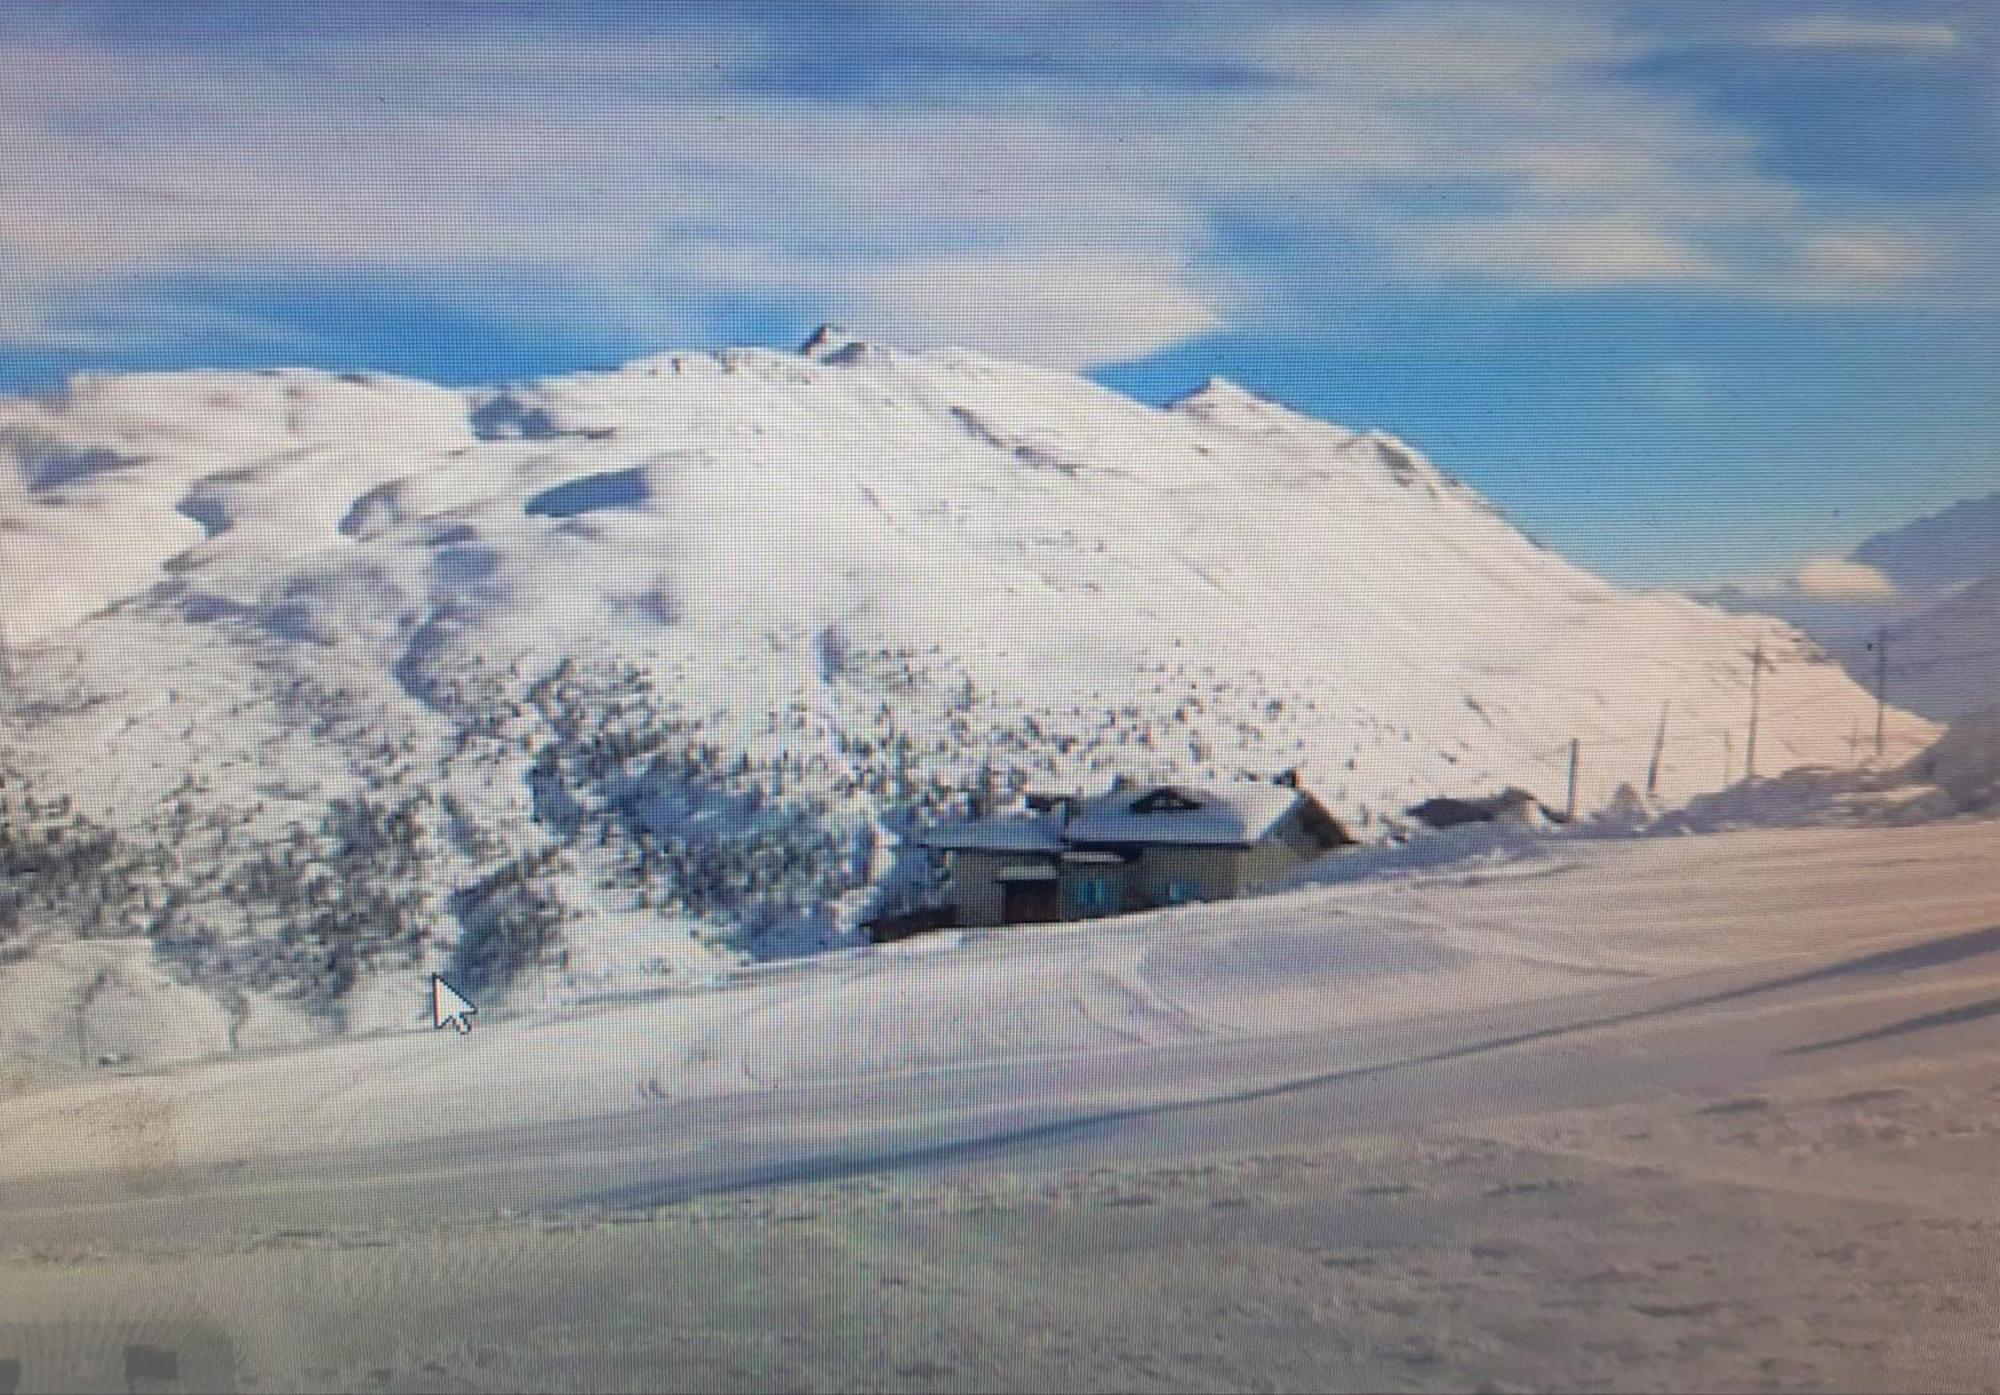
{"x": 1959, "y": 775}
{"x": 1965, "y": 762}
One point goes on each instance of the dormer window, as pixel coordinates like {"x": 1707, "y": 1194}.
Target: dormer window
{"x": 1164, "y": 801}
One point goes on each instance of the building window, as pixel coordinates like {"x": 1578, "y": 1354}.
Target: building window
{"x": 1180, "y": 893}
{"x": 1096, "y": 896}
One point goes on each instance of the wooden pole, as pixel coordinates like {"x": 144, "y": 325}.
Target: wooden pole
{"x": 1881, "y": 685}
{"x": 1756, "y": 675}
{"x": 1569, "y": 804}
{"x": 1728, "y": 759}
{"x": 83, "y": 1002}
{"x": 1659, "y": 750}
{"x": 541, "y": 968}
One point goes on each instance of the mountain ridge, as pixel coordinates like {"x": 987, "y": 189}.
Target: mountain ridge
{"x": 1952, "y": 547}
{"x": 630, "y": 674}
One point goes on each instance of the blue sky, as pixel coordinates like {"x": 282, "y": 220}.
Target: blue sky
{"x": 1696, "y": 291}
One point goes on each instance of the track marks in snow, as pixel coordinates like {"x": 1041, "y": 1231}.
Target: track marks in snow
{"x": 1126, "y": 1005}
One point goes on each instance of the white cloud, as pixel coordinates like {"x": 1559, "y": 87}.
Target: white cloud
{"x": 1868, "y": 256}
{"x": 1564, "y": 252}
{"x": 1837, "y": 579}
{"x": 1843, "y": 31}
{"x": 1066, "y": 312}
{"x": 1459, "y": 49}
{"x": 1022, "y": 209}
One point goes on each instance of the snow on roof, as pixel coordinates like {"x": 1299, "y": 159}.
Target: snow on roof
{"x": 1231, "y": 815}
{"x": 1015, "y": 833}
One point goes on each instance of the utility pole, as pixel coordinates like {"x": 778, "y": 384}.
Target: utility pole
{"x": 1569, "y": 804}
{"x": 1756, "y": 676}
{"x": 83, "y": 1003}
{"x": 6, "y": 663}
{"x": 1881, "y": 685}
{"x": 1659, "y": 750}
{"x": 541, "y": 965}
{"x": 1728, "y": 759}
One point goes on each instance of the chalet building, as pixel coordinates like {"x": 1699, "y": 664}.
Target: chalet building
{"x": 1136, "y": 847}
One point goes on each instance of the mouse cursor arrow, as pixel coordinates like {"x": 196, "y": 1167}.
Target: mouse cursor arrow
{"x": 449, "y": 1007}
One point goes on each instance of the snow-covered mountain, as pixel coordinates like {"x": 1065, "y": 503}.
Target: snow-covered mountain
{"x": 1940, "y": 552}
{"x": 318, "y": 681}
{"x": 1943, "y": 619}
{"x": 1944, "y": 660}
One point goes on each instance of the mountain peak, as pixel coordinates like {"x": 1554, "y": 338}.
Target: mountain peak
{"x": 827, "y": 340}
{"x": 1219, "y": 402}
{"x": 1223, "y": 403}
{"x": 1219, "y": 394}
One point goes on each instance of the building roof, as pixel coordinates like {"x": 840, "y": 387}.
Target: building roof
{"x": 1009, "y": 833}
{"x": 1232, "y": 815}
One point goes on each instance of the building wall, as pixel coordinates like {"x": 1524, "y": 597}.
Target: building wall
{"x": 1269, "y": 860}
{"x": 975, "y": 887}
{"x": 1200, "y": 874}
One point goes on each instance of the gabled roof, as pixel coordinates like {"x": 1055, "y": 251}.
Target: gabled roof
{"x": 1232, "y": 815}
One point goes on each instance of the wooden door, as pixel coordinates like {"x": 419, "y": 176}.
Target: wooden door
{"x": 1030, "y": 903}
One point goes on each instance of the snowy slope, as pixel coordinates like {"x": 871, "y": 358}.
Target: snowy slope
{"x": 930, "y": 1038}
{"x": 1672, "y": 1113}
{"x": 319, "y": 681}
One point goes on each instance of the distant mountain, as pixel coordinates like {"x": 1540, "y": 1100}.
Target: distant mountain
{"x": 319, "y": 681}
{"x": 1837, "y": 624}
{"x": 1944, "y": 630}
{"x": 1944, "y": 550}
{"x": 1944, "y": 661}
{"x": 1944, "y": 572}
